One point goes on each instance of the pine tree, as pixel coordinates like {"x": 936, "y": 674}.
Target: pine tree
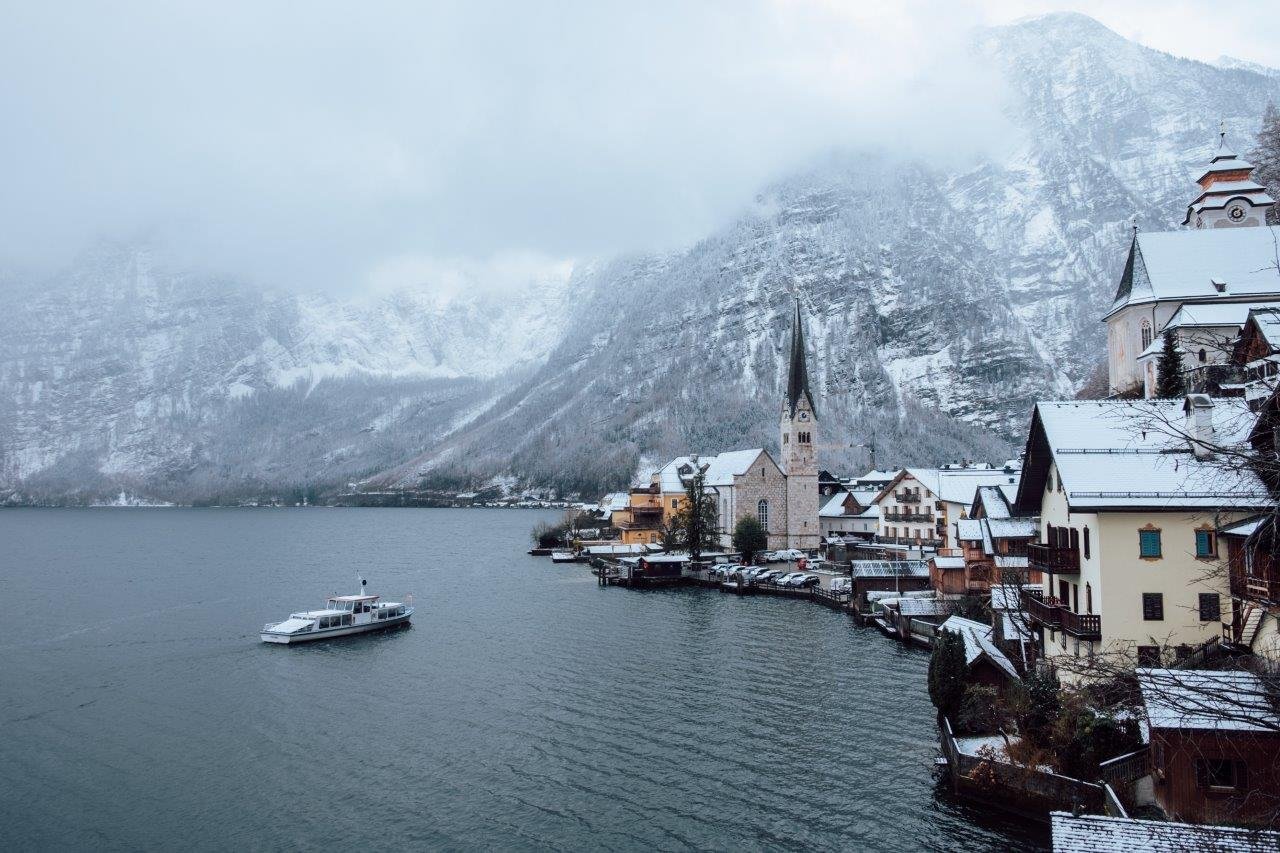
{"x": 947, "y": 673}
{"x": 1266, "y": 159}
{"x": 695, "y": 524}
{"x": 1169, "y": 381}
{"x": 749, "y": 537}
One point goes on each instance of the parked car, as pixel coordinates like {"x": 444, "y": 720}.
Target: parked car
{"x": 806, "y": 581}
{"x": 769, "y": 576}
{"x": 842, "y": 585}
{"x": 786, "y": 580}
{"x": 790, "y": 554}
{"x": 754, "y": 574}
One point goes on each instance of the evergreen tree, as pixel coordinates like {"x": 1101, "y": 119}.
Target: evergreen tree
{"x": 749, "y": 538}
{"x": 695, "y": 525}
{"x": 1169, "y": 381}
{"x": 947, "y": 671}
{"x": 1266, "y": 159}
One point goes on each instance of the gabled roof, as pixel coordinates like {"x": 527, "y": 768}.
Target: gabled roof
{"x": 1181, "y": 265}
{"x": 890, "y": 568}
{"x": 1206, "y": 700}
{"x": 993, "y": 500}
{"x": 969, "y": 529}
{"x": 798, "y": 370}
{"x": 953, "y": 485}
{"x": 978, "y": 643}
{"x": 1127, "y": 454}
{"x": 834, "y": 507}
{"x": 721, "y": 469}
{"x": 1090, "y": 833}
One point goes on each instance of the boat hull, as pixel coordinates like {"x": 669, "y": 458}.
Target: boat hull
{"x": 330, "y": 633}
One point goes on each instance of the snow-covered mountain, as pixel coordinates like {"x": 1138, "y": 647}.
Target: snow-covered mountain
{"x": 125, "y": 374}
{"x": 939, "y": 304}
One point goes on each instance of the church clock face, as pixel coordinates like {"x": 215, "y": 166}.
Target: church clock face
{"x": 804, "y": 416}
{"x": 1236, "y": 212}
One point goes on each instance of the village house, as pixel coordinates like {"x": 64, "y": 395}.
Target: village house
{"x": 992, "y": 546}
{"x": 1255, "y": 357}
{"x": 1205, "y": 336}
{"x": 1215, "y": 746}
{"x": 919, "y": 505}
{"x": 639, "y": 520}
{"x": 1226, "y": 258}
{"x": 849, "y": 514}
{"x": 1129, "y": 496}
{"x": 987, "y": 664}
{"x": 1254, "y": 579}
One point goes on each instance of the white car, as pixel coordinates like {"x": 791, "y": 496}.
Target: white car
{"x": 790, "y": 554}
{"x": 842, "y": 585}
{"x": 788, "y": 578}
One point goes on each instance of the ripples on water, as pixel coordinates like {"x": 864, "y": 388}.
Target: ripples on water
{"x": 526, "y": 707}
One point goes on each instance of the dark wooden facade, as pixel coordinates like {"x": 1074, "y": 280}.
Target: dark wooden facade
{"x": 1217, "y": 776}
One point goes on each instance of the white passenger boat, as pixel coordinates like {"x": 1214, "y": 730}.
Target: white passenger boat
{"x": 342, "y": 615}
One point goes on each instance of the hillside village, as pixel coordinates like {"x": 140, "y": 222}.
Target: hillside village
{"x": 1109, "y": 601}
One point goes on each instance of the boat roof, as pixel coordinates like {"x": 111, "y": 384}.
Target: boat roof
{"x": 316, "y": 614}
{"x": 353, "y": 598}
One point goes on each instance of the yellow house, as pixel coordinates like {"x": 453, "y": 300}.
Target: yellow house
{"x": 1129, "y": 495}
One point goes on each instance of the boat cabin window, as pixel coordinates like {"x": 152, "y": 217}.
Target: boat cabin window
{"x": 399, "y": 611}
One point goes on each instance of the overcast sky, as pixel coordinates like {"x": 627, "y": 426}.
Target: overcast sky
{"x": 350, "y": 144}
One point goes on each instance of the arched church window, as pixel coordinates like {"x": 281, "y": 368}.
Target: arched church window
{"x": 762, "y": 513}
{"x": 1146, "y": 334}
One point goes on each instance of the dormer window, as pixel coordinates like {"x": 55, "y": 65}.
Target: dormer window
{"x": 1219, "y": 285}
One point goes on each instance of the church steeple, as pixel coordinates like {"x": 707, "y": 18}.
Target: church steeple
{"x": 798, "y": 374}
{"x": 1228, "y": 195}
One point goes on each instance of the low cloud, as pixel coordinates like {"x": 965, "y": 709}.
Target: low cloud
{"x": 327, "y": 144}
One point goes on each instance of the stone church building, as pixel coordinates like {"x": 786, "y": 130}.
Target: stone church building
{"x": 784, "y": 497}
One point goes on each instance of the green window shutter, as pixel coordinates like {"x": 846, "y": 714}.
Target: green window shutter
{"x": 1204, "y": 543}
{"x": 1149, "y": 543}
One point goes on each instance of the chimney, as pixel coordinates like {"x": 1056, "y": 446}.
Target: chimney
{"x": 1198, "y": 426}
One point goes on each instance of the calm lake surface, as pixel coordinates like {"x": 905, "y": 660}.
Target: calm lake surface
{"x": 526, "y": 708}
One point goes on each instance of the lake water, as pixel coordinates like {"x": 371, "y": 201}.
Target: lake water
{"x": 526, "y": 708}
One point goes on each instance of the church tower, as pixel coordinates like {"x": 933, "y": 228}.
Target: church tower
{"x": 797, "y": 443}
{"x": 1228, "y": 195}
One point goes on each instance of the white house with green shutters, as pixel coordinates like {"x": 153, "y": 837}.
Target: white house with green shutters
{"x": 1129, "y": 496}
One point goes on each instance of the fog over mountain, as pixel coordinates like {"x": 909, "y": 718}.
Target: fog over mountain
{"x": 942, "y": 295}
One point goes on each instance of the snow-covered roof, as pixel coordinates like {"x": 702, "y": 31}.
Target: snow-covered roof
{"x": 946, "y": 563}
{"x": 610, "y": 550}
{"x": 1115, "y": 454}
{"x": 726, "y": 466}
{"x": 1015, "y": 628}
{"x": 889, "y": 568}
{"x": 1011, "y": 561}
{"x": 969, "y": 529}
{"x": 1216, "y": 314}
{"x": 1201, "y": 699}
{"x": 721, "y": 469}
{"x": 872, "y": 511}
{"x": 1268, "y": 323}
{"x": 959, "y": 485}
{"x": 1013, "y": 528}
{"x": 924, "y": 606}
{"x": 615, "y": 501}
{"x": 1009, "y": 596}
{"x": 1183, "y": 264}
{"x": 834, "y": 507}
{"x": 1091, "y": 833}
{"x": 1245, "y": 528}
{"x": 978, "y": 642}
{"x": 996, "y": 500}
{"x": 864, "y": 496}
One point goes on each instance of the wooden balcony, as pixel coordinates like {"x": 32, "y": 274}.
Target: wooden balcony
{"x": 1253, "y": 588}
{"x": 1044, "y": 611}
{"x": 906, "y": 497}
{"x": 1053, "y": 559}
{"x": 910, "y": 516}
{"x": 1085, "y": 626}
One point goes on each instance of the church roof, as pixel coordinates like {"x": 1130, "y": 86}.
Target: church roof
{"x": 798, "y": 371}
{"x": 1182, "y": 265}
{"x": 1212, "y": 314}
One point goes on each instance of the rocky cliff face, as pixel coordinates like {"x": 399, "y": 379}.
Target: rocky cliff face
{"x": 939, "y": 304}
